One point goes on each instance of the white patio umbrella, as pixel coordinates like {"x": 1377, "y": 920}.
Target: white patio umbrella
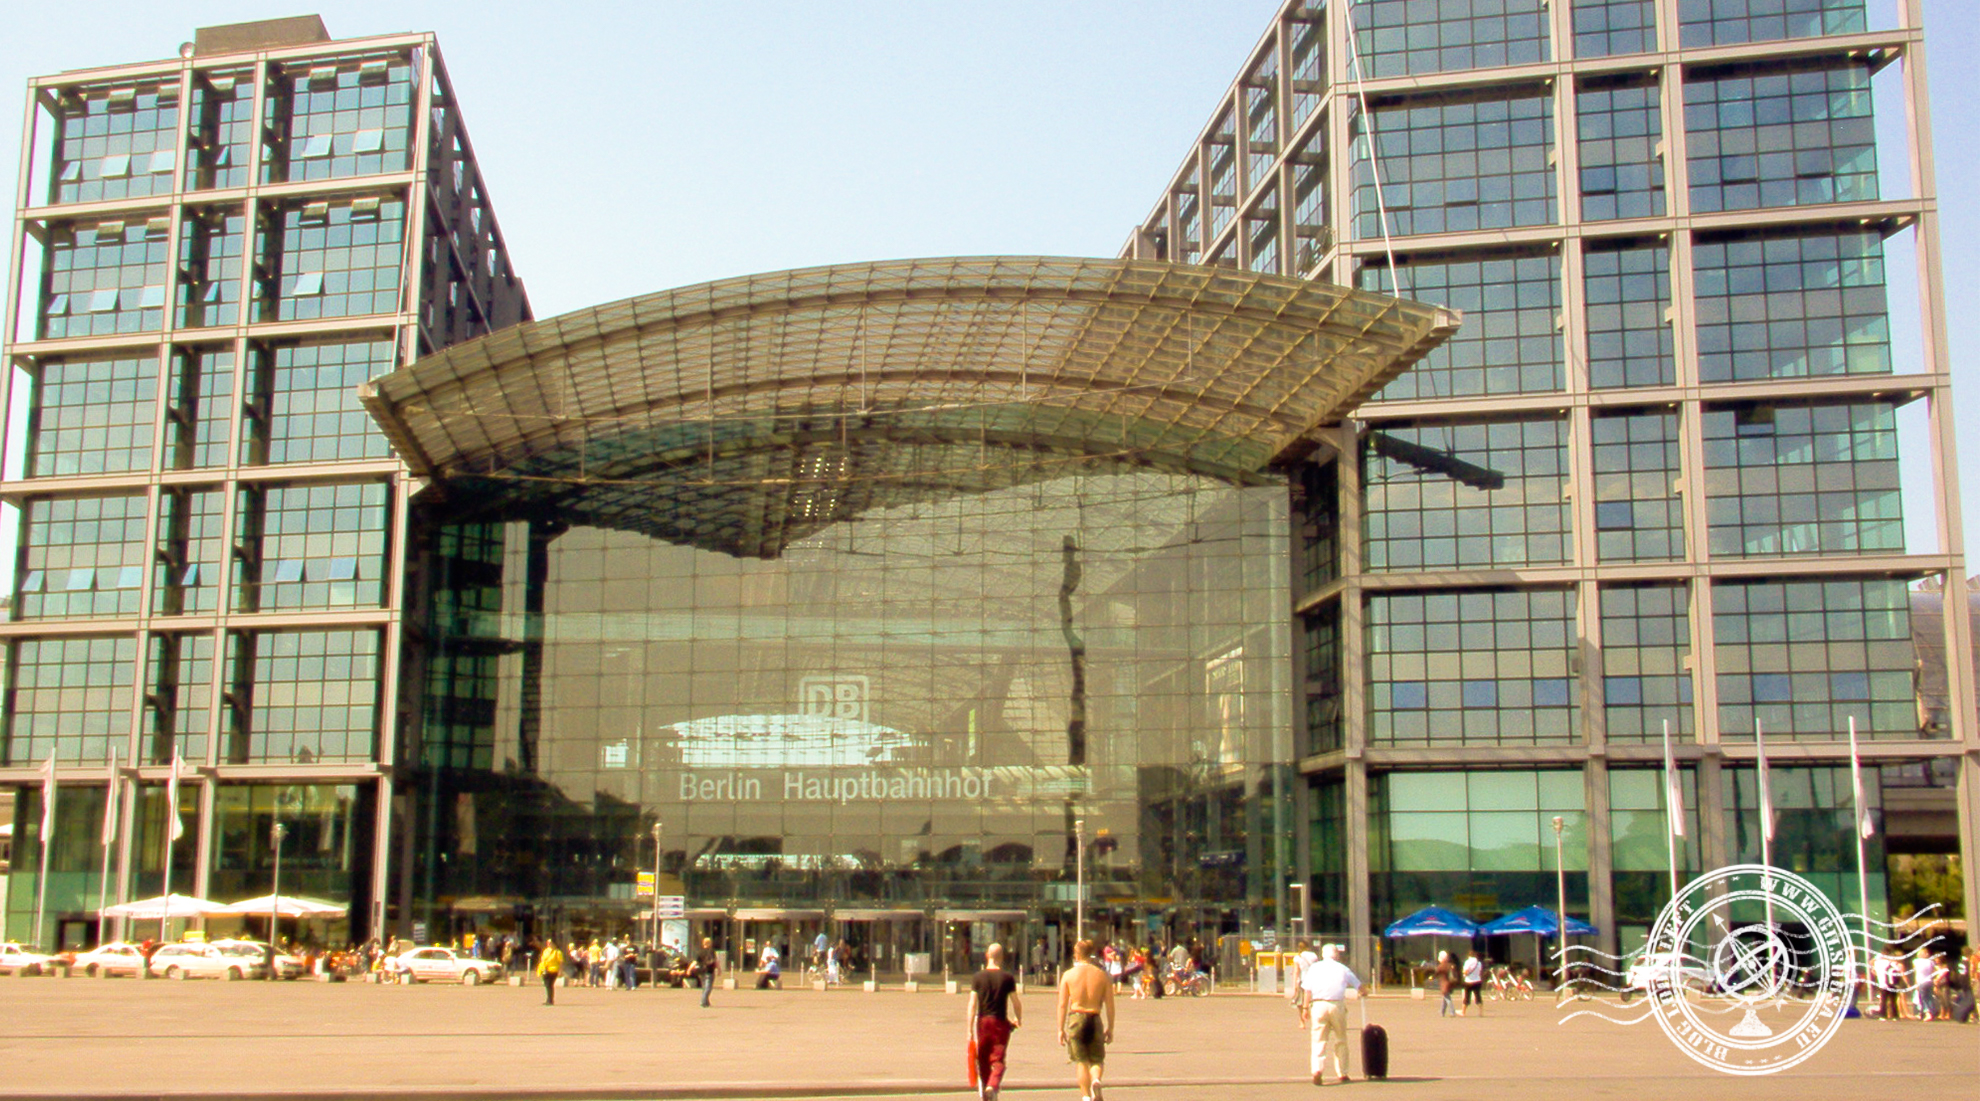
{"x": 290, "y": 906}
{"x": 164, "y": 907}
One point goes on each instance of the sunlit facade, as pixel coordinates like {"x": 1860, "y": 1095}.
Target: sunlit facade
{"x": 1226, "y": 587}
{"x": 1659, "y": 479}
{"x": 210, "y": 253}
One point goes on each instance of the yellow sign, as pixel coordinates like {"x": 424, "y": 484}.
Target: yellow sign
{"x": 643, "y": 885}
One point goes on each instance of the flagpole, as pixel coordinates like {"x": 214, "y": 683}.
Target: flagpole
{"x": 172, "y": 831}
{"x": 109, "y": 835}
{"x": 1766, "y": 817}
{"x": 1861, "y": 830}
{"x": 47, "y": 827}
{"x": 1673, "y": 813}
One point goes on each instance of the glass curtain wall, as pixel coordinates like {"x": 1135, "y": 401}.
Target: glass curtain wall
{"x": 908, "y": 712}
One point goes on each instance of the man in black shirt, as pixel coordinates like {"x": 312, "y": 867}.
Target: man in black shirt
{"x": 994, "y": 1012}
{"x": 706, "y": 963}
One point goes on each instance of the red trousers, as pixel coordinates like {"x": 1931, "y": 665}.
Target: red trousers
{"x": 993, "y": 1038}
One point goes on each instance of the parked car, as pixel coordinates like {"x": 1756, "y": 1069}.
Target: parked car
{"x": 20, "y": 961}
{"x": 115, "y": 958}
{"x": 1644, "y": 969}
{"x": 286, "y": 966}
{"x": 445, "y": 965}
{"x": 193, "y": 960}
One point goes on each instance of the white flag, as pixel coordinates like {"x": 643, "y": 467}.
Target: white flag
{"x": 1673, "y": 792}
{"x": 1766, "y": 795}
{"x": 1864, "y": 828}
{"x": 175, "y": 826}
{"x": 48, "y": 798}
{"x": 110, "y": 805}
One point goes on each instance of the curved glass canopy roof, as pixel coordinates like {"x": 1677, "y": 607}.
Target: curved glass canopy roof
{"x": 746, "y": 413}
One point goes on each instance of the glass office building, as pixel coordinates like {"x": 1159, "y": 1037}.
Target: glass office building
{"x": 1659, "y": 480}
{"x": 210, "y": 254}
{"x": 916, "y": 604}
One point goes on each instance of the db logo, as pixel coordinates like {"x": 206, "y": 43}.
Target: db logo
{"x": 840, "y": 697}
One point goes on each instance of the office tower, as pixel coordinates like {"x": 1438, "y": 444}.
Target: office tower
{"x": 1661, "y": 475}
{"x": 211, "y": 253}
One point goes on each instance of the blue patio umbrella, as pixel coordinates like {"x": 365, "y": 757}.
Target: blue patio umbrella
{"x": 1433, "y": 921}
{"x": 1537, "y": 920}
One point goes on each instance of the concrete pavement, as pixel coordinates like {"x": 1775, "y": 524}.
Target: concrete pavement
{"x": 128, "y": 1040}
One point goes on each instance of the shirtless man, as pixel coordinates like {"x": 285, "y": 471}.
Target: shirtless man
{"x": 1085, "y": 993}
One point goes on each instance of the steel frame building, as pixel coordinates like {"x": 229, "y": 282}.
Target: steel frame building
{"x": 210, "y": 254}
{"x": 1630, "y": 141}
{"x": 1654, "y": 477}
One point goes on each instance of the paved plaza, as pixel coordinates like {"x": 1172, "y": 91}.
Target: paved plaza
{"x": 125, "y": 1039}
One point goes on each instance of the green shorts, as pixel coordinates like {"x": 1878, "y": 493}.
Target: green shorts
{"x": 1085, "y": 1040}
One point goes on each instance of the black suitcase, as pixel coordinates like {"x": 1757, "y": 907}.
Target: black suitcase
{"x": 1374, "y": 1051}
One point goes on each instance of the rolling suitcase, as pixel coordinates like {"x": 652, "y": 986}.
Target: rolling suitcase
{"x": 1374, "y": 1046}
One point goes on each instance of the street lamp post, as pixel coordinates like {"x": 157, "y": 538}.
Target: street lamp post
{"x": 276, "y": 833}
{"x": 1079, "y": 889}
{"x": 1560, "y": 887}
{"x": 656, "y": 884}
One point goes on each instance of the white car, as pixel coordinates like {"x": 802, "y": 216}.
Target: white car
{"x": 115, "y": 958}
{"x": 286, "y": 966}
{"x": 445, "y": 965}
{"x": 1645, "y": 969}
{"x": 192, "y": 960}
{"x": 20, "y": 961}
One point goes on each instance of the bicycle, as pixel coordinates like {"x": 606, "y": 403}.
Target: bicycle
{"x": 1193, "y": 984}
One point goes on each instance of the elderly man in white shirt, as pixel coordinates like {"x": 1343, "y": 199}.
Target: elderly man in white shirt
{"x": 1324, "y": 988}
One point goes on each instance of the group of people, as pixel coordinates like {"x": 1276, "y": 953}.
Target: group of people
{"x": 1085, "y": 1016}
{"x": 615, "y": 965}
{"x": 1142, "y": 969}
{"x": 1450, "y": 977}
{"x": 1926, "y": 986}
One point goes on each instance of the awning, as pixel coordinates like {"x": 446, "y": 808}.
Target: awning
{"x": 741, "y": 415}
{"x": 981, "y": 915}
{"x": 769, "y": 914}
{"x": 879, "y": 915}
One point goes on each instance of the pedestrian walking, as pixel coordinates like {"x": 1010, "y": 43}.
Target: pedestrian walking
{"x": 706, "y": 963}
{"x": 1922, "y": 971}
{"x": 1086, "y": 995}
{"x": 549, "y": 966}
{"x": 628, "y": 966}
{"x": 994, "y": 1013}
{"x": 769, "y": 968}
{"x": 1325, "y": 987}
{"x": 1446, "y": 975}
{"x": 1474, "y": 984}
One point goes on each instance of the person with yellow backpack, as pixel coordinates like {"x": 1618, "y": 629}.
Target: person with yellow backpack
{"x": 550, "y": 965}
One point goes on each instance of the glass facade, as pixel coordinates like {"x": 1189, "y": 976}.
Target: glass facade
{"x": 1472, "y": 668}
{"x": 903, "y": 711}
{"x": 1481, "y": 841}
{"x": 1643, "y": 487}
{"x": 1511, "y": 342}
{"x": 207, "y": 566}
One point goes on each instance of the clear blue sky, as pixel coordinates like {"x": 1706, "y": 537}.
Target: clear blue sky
{"x": 632, "y": 147}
